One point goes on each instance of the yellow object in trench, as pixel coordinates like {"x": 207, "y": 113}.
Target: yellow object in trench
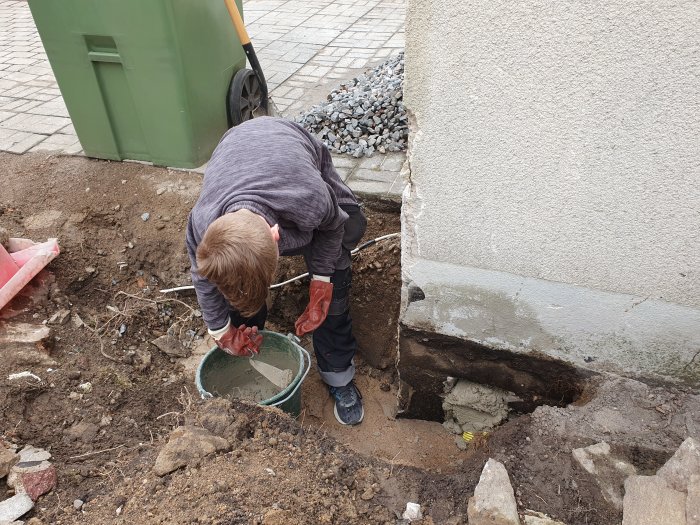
{"x": 469, "y": 436}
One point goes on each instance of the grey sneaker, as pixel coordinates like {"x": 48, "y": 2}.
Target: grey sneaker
{"x": 348, "y": 404}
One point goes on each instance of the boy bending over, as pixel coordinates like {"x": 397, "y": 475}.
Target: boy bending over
{"x": 270, "y": 189}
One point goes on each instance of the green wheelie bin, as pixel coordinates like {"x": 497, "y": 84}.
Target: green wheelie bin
{"x": 143, "y": 79}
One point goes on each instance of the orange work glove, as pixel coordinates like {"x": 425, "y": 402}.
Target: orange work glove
{"x": 320, "y": 297}
{"x": 243, "y": 341}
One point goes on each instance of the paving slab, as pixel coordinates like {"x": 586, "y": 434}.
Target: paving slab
{"x": 306, "y": 49}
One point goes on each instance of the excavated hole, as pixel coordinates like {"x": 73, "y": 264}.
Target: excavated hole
{"x": 430, "y": 363}
{"x": 417, "y": 389}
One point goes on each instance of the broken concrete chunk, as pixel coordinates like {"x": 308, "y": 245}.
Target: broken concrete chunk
{"x": 412, "y": 512}
{"x": 33, "y": 479}
{"x": 650, "y": 501}
{"x": 33, "y": 474}
{"x": 15, "y": 507}
{"x": 8, "y": 459}
{"x": 22, "y": 357}
{"x": 60, "y": 317}
{"x": 171, "y": 346}
{"x": 77, "y": 321}
{"x": 19, "y": 335}
{"x": 683, "y": 464}
{"x": 692, "y": 502}
{"x": 532, "y": 517}
{"x": 493, "y": 502}
{"x": 83, "y": 431}
{"x": 187, "y": 446}
{"x": 30, "y": 453}
{"x": 608, "y": 471}
{"x": 474, "y": 407}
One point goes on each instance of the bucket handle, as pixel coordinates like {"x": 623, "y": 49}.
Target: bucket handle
{"x": 296, "y": 341}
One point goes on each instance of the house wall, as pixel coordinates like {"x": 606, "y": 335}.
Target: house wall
{"x": 553, "y": 198}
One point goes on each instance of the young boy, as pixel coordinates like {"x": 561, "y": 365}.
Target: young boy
{"x": 270, "y": 189}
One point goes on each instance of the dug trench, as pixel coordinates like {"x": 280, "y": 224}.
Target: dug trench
{"x": 107, "y": 399}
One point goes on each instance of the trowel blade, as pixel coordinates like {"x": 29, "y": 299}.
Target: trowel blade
{"x": 278, "y": 377}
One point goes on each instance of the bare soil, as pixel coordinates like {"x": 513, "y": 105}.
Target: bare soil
{"x": 107, "y": 402}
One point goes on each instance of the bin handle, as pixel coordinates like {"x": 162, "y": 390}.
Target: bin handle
{"x": 104, "y": 56}
{"x": 295, "y": 339}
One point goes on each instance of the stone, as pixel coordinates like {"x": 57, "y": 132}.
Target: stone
{"x": 531, "y": 517}
{"x": 78, "y": 504}
{"x": 30, "y": 453}
{"x": 364, "y": 107}
{"x": 16, "y": 336}
{"x": 76, "y": 321}
{"x": 187, "y": 446}
{"x": 493, "y": 502}
{"x": 32, "y": 479}
{"x": 145, "y": 216}
{"x": 683, "y": 464}
{"x": 692, "y": 501}
{"x": 650, "y": 501}
{"x": 8, "y": 459}
{"x": 83, "y": 431}
{"x": 15, "y": 507}
{"x": 609, "y": 472}
{"x": 171, "y": 346}
{"x": 367, "y": 495}
{"x": 60, "y": 317}
{"x": 412, "y": 512}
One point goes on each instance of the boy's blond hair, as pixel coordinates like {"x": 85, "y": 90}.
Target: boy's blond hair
{"x": 239, "y": 255}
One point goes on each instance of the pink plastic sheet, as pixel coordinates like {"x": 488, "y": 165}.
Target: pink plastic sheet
{"x": 25, "y": 259}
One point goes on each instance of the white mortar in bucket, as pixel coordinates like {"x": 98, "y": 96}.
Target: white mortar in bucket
{"x": 222, "y": 375}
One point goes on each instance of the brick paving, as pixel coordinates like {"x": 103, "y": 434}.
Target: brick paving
{"x": 305, "y": 48}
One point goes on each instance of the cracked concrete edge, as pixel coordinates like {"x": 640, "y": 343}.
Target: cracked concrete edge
{"x": 590, "y": 329}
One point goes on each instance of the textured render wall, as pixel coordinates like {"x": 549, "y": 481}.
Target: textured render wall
{"x": 559, "y": 140}
{"x": 554, "y": 188}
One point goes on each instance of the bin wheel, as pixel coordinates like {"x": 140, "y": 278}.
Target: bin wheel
{"x": 244, "y": 97}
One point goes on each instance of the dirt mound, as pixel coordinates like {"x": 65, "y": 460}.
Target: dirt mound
{"x": 108, "y": 399}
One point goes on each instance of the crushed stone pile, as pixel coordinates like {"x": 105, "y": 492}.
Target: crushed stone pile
{"x": 365, "y": 115}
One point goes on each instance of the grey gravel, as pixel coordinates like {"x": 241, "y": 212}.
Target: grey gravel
{"x": 364, "y": 116}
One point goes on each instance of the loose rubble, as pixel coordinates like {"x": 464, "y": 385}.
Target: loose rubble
{"x": 187, "y": 445}
{"x": 609, "y": 472}
{"x": 682, "y": 465}
{"x": 470, "y": 407}
{"x": 493, "y": 502}
{"x": 412, "y": 512}
{"x": 364, "y": 116}
{"x": 29, "y": 473}
{"x": 649, "y": 500}
{"x": 532, "y": 517}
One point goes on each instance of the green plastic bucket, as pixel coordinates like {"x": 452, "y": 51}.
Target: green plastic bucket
{"x": 220, "y": 374}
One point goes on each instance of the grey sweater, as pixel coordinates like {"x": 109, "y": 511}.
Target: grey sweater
{"x": 275, "y": 168}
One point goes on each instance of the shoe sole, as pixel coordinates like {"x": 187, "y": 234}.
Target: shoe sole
{"x": 335, "y": 411}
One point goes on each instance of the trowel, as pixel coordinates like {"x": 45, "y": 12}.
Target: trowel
{"x": 278, "y": 377}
